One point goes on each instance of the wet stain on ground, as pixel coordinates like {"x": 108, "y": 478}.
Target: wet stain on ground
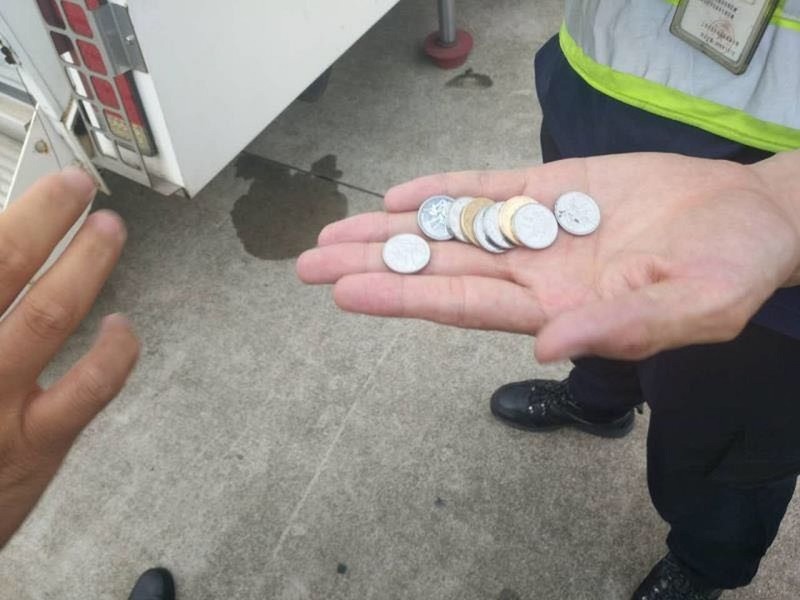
{"x": 341, "y": 569}
{"x": 326, "y": 167}
{"x": 509, "y": 594}
{"x": 469, "y": 79}
{"x": 284, "y": 210}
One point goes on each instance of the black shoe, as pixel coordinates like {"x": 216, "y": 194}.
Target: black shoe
{"x": 545, "y": 405}
{"x": 155, "y": 584}
{"x": 669, "y": 581}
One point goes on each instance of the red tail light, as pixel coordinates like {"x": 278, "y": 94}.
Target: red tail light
{"x": 105, "y": 92}
{"x": 77, "y": 19}
{"x": 92, "y": 57}
{"x": 114, "y": 94}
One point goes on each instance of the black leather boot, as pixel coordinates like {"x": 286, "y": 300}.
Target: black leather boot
{"x": 155, "y": 584}
{"x": 669, "y": 580}
{"x": 545, "y": 405}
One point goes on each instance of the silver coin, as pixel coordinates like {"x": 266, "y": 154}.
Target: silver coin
{"x": 480, "y": 233}
{"x": 535, "y": 226}
{"x": 577, "y": 213}
{"x": 491, "y": 225}
{"x": 406, "y": 253}
{"x": 432, "y": 218}
{"x": 454, "y": 218}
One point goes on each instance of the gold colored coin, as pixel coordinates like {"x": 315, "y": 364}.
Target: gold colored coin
{"x": 468, "y": 218}
{"x": 507, "y": 212}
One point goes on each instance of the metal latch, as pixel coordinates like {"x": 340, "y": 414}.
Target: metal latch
{"x": 8, "y": 57}
{"x": 115, "y": 27}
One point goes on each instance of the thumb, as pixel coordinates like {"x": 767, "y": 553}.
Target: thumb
{"x": 643, "y": 322}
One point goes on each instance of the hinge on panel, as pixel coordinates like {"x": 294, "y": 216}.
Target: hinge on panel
{"x": 8, "y": 57}
{"x": 120, "y": 40}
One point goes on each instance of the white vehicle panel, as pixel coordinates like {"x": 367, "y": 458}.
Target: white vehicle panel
{"x": 223, "y": 71}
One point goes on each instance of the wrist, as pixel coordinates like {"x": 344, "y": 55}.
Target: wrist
{"x": 778, "y": 177}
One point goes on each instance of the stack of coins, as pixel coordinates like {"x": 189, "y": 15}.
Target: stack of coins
{"x": 497, "y": 227}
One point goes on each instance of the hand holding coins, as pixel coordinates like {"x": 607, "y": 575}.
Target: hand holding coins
{"x": 689, "y": 250}
{"x": 496, "y": 227}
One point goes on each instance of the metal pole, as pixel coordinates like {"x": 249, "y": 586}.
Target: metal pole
{"x": 447, "y": 22}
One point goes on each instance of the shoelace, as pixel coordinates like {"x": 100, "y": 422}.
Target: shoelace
{"x": 677, "y": 585}
{"x": 549, "y": 393}
{"x": 557, "y": 392}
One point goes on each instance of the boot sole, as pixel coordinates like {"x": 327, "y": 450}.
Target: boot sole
{"x": 603, "y": 431}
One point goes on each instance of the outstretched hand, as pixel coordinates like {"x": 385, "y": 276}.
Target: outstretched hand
{"x": 38, "y": 426}
{"x": 687, "y": 252}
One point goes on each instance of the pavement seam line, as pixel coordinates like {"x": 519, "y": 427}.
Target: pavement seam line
{"x": 324, "y": 461}
{"x": 318, "y": 176}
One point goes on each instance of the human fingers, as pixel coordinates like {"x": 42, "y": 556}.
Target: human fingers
{"x": 464, "y": 301}
{"x": 56, "y": 417}
{"x": 368, "y": 227}
{"x": 35, "y": 330}
{"x": 542, "y": 182}
{"x": 31, "y": 227}
{"x": 330, "y": 263}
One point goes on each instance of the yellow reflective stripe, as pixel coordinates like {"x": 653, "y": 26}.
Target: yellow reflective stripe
{"x": 779, "y": 19}
{"x": 782, "y": 20}
{"x": 673, "y": 104}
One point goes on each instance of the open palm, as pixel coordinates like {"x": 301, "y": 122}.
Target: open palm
{"x": 687, "y": 252}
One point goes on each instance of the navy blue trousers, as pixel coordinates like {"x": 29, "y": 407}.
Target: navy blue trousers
{"x": 723, "y": 447}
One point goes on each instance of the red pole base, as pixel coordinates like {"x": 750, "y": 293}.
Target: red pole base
{"x": 449, "y": 57}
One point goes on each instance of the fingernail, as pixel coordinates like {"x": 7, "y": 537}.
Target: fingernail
{"x": 79, "y": 180}
{"x": 110, "y": 223}
{"x": 323, "y": 235}
{"x": 116, "y": 319}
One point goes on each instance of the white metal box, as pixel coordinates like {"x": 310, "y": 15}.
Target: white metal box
{"x": 165, "y": 92}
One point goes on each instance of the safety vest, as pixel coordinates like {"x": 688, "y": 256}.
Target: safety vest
{"x": 624, "y": 49}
